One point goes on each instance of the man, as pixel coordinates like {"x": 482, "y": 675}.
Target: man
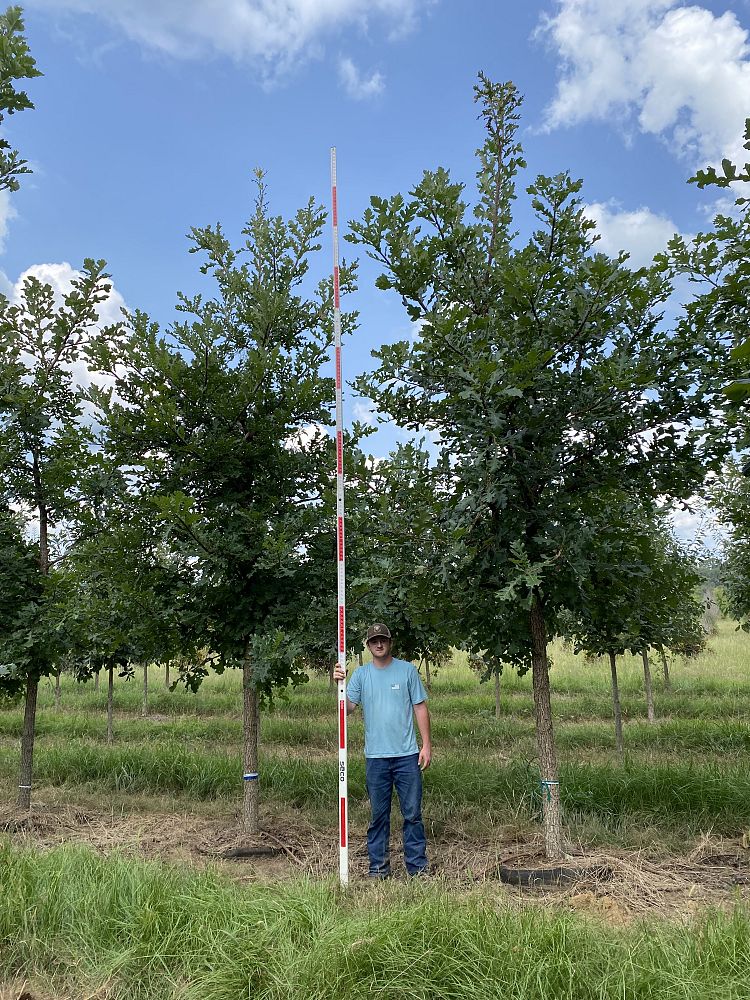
{"x": 392, "y": 695}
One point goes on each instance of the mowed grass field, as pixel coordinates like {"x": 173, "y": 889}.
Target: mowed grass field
{"x": 102, "y": 917}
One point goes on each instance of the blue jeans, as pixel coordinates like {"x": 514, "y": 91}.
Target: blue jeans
{"x": 382, "y": 774}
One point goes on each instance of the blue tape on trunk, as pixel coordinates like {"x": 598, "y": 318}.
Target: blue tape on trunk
{"x": 250, "y": 776}
{"x": 547, "y": 787}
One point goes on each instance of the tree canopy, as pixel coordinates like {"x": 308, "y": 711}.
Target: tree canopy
{"x": 546, "y": 371}
{"x": 220, "y": 423}
{"x": 16, "y": 63}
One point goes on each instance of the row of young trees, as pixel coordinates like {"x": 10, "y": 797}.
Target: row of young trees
{"x": 181, "y": 504}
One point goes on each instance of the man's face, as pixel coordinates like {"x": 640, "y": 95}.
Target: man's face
{"x": 379, "y": 645}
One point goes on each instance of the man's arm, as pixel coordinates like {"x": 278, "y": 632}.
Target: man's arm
{"x": 340, "y": 675}
{"x": 422, "y": 715}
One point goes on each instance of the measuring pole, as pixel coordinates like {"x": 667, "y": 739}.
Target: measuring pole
{"x": 341, "y": 644}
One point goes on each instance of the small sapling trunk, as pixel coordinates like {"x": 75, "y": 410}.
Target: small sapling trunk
{"x": 27, "y": 744}
{"x": 110, "y": 701}
{"x": 649, "y": 687}
{"x": 665, "y": 668}
{"x": 551, "y": 809}
{"x": 616, "y": 708}
{"x": 250, "y": 727}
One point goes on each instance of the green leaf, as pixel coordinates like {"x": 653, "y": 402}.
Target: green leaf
{"x": 741, "y": 352}
{"x": 738, "y": 391}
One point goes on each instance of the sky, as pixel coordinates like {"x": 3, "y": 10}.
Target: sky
{"x": 152, "y": 115}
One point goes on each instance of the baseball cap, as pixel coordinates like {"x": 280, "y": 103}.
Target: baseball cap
{"x": 378, "y": 629}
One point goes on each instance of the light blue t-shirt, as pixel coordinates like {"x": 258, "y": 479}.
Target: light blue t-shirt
{"x": 388, "y": 696}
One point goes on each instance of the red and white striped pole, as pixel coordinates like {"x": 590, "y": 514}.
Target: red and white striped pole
{"x": 341, "y": 644}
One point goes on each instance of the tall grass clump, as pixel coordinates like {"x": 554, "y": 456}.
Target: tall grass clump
{"x": 691, "y": 796}
{"x": 171, "y": 767}
{"x": 80, "y": 924}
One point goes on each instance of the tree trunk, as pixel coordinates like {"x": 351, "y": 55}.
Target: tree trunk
{"x": 250, "y": 729}
{"x": 57, "y": 689}
{"x": 25, "y": 773}
{"x": 110, "y": 700}
{"x": 96, "y": 681}
{"x": 665, "y": 666}
{"x": 497, "y": 694}
{"x": 551, "y": 812}
{"x": 359, "y": 658}
{"x": 649, "y": 689}
{"x": 166, "y": 675}
{"x": 27, "y": 745}
{"x": 144, "y": 708}
{"x": 616, "y": 706}
{"x": 427, "y": 677}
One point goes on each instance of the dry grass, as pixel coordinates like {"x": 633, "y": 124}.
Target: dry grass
{"x": 621, "y": 886}
{"x": 651, "y": 869}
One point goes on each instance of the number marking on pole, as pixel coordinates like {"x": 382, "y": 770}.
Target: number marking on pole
{"x": 340, "y": 552}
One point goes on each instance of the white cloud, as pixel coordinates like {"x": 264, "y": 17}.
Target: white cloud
{"x": 416, "y": 330}
{"x": 365, "y": 412}
{"x": 723, "y": 205}
{"x": 60, "y": 278}
{"x": 272, "y": 35}
{"x": 357, "y": 86}
{"x": 304, "y": 437}
{"x": 642, "y": 233}
{"x": 698, "y": 524}
{"x": 7, "y": 212}
{"x": 680, "y": 72}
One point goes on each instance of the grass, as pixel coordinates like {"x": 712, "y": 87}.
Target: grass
{"x": 690, "y": 796}
{"x": 462, "y": 731}
{"x": 684, "y": 775}
{"x": 85, "y": 925}
{"x": 74, "y": 923}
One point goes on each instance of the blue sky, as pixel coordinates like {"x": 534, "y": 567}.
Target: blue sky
{"x": 152, "y": 114}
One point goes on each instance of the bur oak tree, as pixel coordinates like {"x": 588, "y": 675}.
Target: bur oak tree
{"x": 487, "y": 667}
{"x": 16, "y": 63}
{"x": 45, "y": 448}
{"x": 546, "y": 372}
{"x": 222, "y": 423}
{"x": 639, "y": 590}
{"x": 731, "y": 502}
{"x": 716, "y": 262}
{"x": 123, "y": 596}
{"x": 396, "y": 528}
{"x": 21, "y": 595}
